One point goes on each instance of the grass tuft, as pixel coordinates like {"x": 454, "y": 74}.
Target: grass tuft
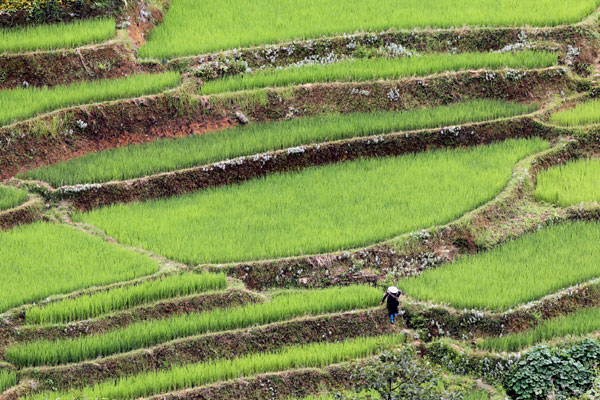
{"x": 167, "y": 155}
{"x": 379, "y": 68}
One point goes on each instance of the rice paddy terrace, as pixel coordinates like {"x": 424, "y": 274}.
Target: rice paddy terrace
{"x": 208, "y": 200}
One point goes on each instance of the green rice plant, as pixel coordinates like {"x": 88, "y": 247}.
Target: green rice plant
{"x": 569, "y": 184}
{"x": 520, "y": 271}
{"x": 190, "y": 28}
{"x": 582, "y": 114}
{"x": 581, "y": 322}
{"x": 56, "y": 36}
{"x": 148, "y": 333}
{"x": 172, "y": 154}
{"x": 317, "y": 210}
{"x": 95, "y": 304}
{"x": 21, "y": 103}
{"x": 40, "y": 260}
{"x": 316, "y": 355}
{"x": 8, "y": 379}
{"x": 11, "y": 197}
{"x": 379, "y": 68}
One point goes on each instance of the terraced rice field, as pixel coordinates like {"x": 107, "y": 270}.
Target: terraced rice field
{"x": 169, "y": 155}
{"x": 265, "y": 279}
{"x": 144, "y": 334}
{"x": 11, "y": 197}
{"x": 378, "y": 68}
{"x": 570, "y": 184}
{"x": 23, "y": 103}
{"x": 585, "y": 113}
{"x": 93, "y": 305}
{"x": 348, "y": 205}
{"x": 518, "y": 272}
{"x": 56, "y": 36}
{"x": 580, "y": 323}
{"x": 219, "y": 25}
{"x": 41, "y": 260}
{"x": 7, "y": 379}
{"x": 313, "y": 355}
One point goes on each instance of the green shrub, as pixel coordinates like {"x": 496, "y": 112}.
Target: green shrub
{"x": 562, "y": 372}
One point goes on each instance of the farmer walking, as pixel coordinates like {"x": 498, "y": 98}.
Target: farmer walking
{"x": 393, "y": 302}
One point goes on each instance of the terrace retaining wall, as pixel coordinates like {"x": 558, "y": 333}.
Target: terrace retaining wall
{"x": 410, "y": 254}
{"x": 87, "y": 197}
{"x": 112, "y": 60}
{"x": 158, "y": 310}
{"x": 283, "y": 385}
{"x": 230, "y": 344}
{"x": 57, "y": 136}
{"x": 398, "y": 43}
{"x": 26, "y": 213}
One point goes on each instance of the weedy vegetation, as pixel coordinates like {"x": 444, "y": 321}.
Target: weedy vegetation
{"x": 40, "y": 260}
{"x": 11, "y": 197}
{"x": 189, "y": 29}
{"x": 378, "y": 68}
{"x": 317, "y": 210}
{"x": 167, "y": 155}
{"x": 187, "y": 376}
{"x": 572, "y": 183}
{"x": 56, "y": 36}
{"x": 520, "y": 271}
{"x": 22, "y": 103}
{"x": 148, "y": 333}
{"x": 95, "y": 304}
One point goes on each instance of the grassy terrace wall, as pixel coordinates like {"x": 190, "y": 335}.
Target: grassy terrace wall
{"x": 57, "y": 137}
{"x": 61, "y": 67}
{"x": 24, "y": 214}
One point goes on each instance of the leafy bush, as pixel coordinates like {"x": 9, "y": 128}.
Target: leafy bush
{"x": 398, "y": 375}
{"x": 561, "y": 372}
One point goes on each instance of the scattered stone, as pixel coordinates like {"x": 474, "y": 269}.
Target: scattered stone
{"x": 241, "y": 117}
